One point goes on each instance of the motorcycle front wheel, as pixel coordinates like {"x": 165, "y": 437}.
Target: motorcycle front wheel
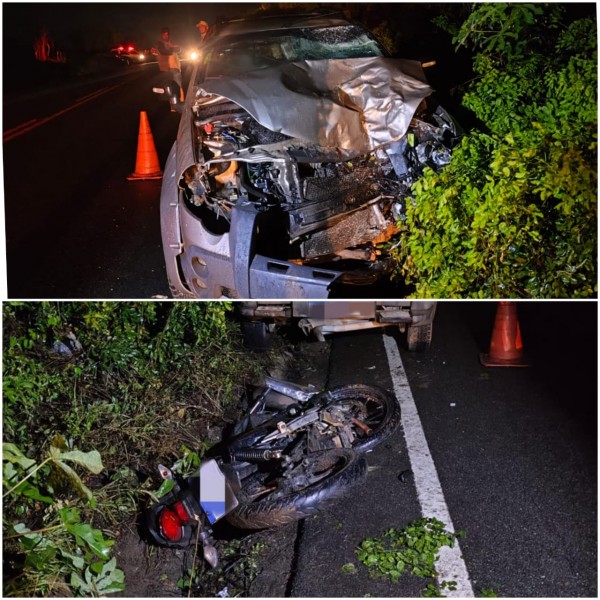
{"x": 265, "y": 501}
{"x": 374, "y": 413}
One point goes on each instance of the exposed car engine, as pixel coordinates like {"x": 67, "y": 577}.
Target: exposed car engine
{"x": 338, "y": 205}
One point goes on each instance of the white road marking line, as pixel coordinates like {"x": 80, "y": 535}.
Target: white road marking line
{"x": 450, "y": 565}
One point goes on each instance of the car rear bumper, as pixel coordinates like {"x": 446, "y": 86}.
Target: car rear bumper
{"x": 382, "y": 312}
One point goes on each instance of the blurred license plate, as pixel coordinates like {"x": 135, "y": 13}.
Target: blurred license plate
{"x": 216, "y": 496}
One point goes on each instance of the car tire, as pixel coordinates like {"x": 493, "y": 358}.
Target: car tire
{"x": 418, "y": 337}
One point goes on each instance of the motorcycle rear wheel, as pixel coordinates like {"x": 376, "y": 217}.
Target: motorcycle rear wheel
{"x": 373, "y": 407}
{"x": 334, "y": 472}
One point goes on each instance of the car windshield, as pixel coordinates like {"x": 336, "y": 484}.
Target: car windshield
{"x": 235, "y": 55}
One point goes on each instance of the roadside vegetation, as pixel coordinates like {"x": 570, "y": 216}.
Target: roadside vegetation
{"x": 515, "y": 212}
{"x": 412, "y": 550}
{"x": 95, "y": 394}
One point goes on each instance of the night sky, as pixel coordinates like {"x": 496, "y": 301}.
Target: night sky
{"x": 92, "y": 26}
{"x": 84, "y": 30}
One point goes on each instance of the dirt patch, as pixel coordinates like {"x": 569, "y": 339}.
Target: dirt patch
{"x": 304, "y": 363}
{"x": 275, "y": 562}
{"x": 149, "y": 571}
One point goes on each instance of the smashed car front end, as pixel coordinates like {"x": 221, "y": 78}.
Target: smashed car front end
{"x": 289, "y": 179}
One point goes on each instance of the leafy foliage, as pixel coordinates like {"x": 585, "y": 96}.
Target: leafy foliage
{"x": 503, "y": 29}
{"x": 66, "y": 555}
{"x": 432, "y": 590}
{"x": 94, "y": 362}
{"x": 68, "y": 558}
{"x": 58, "y": 457}
{"x": 412, "y": 550}
{"x": 515, "y": 212}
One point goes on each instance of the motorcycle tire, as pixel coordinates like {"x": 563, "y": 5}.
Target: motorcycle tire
{"x": 382, "y": 422}
{"x": 341, "y": 469}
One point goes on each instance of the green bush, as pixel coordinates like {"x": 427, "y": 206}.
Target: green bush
{"x": 117, "y": 353}
{"x": 133, "y": 382}
{"x": 515, "y": 213}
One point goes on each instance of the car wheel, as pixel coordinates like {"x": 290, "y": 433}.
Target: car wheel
{"x": 418, "y": 337}
{"x": 256, "y": 336}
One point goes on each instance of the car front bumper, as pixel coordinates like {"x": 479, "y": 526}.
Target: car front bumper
{"x": 201, "y": 264}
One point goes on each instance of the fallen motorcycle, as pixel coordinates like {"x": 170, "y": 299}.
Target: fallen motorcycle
{"x": 296, "y": 450}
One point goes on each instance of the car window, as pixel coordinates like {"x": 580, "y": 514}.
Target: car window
{"x": 236, "y": 55}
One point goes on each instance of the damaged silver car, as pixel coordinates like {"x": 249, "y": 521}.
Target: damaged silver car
{"x": 297, "y": 148}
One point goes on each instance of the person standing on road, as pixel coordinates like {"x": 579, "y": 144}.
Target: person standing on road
{"x": 202, "y": 27}
{"x": 168, "y": 59}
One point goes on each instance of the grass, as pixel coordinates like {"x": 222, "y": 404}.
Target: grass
{"x": 137, "y": 383}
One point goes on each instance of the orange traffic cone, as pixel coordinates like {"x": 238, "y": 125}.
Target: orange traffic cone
{"x": 146, "y": 163}
{"x": 506, "y": 347}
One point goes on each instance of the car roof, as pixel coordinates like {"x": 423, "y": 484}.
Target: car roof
{"x": 275, "y": 22}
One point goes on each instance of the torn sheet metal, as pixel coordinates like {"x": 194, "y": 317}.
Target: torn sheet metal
{"x": 354, "y": 104}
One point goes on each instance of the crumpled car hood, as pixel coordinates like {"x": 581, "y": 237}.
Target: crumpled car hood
{"x": 353, "y": 104}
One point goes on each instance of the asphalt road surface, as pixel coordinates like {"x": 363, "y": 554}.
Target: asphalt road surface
{"x": 75, "y": 227}
{"x": 513, "y": 450}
